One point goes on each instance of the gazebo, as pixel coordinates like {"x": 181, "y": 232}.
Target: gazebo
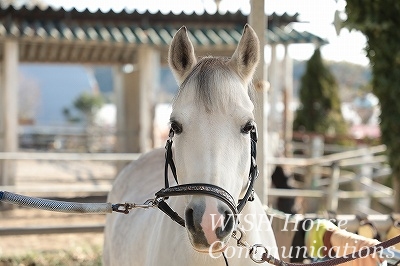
{"x": 56, "y": 35}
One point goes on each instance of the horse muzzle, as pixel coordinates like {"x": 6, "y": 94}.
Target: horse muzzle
{"x": 209, "y": 223}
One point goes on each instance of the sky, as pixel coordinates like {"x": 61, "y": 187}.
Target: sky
{"x": 316, "y": 15}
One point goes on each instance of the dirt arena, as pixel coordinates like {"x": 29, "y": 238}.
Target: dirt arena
{"x": 58, "y": 180}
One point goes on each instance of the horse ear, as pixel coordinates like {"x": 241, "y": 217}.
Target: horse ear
{"x": 247, "y": 54}
{"x": 181, "y": 57}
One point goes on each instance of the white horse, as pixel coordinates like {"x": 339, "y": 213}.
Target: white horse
{"x": 211, "y": 121}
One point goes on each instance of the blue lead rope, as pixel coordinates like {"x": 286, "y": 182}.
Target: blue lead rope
{"x": 54, "y": 205}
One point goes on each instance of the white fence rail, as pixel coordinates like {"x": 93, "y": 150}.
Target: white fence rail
{"x": 328, "y": 187}
{"x": 55, "y": 156}
{"x": 323, "y": 176}
{"x": 328, "y": 171}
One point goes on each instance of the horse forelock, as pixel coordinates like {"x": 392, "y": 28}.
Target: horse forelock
{"x": 212, "y": 81}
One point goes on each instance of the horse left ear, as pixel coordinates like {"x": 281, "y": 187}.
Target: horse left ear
{"x": 247, "y": 54}
{"x": 181, "y": 56}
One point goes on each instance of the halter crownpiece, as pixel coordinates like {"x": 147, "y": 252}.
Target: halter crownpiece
{"x": 202, "y": 188}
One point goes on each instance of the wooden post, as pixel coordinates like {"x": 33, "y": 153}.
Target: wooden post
{"x": 312, "y": 176}
{"x": 365, "y": 172}
{"x": 118, "y": 78}
{"x": 258, "y": 20}
{"x": 135, "y": 102}
{"x": 149, "y": 61}
{"x": 287, "y": 98}
{"x": 274, "y": 92}
{"x": 332, "y": 199}
{"x": 9, "y": 110}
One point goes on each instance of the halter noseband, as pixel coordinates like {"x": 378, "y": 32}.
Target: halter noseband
{"x": 202, "y": 188}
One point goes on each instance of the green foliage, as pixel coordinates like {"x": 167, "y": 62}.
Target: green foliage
{"x": 319, "y": 109}
{"x": 379, "y": 20}
{"x": 88, "y": 103}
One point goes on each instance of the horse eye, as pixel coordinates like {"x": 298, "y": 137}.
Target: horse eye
{"x": 176, "y": 127}
{"x": 247, "y": 128}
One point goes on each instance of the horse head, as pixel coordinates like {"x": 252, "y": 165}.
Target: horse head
{"x": 212, "y": 117}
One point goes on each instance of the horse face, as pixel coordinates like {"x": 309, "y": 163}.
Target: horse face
{"x": 212, "y": 116}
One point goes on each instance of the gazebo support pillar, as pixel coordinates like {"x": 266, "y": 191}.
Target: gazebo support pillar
{"x": 274, "y": 91}
{"x": 9, "y": 109}
{"x": 135, "y": 102}
{"x": 258, "y": 20}
{"x": 288, "y": 98}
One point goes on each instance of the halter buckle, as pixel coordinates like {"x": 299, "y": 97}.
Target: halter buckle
{"x": 251, "y": 198}
{"x": 125, "y": 207}
{"x": 240, "y": 238}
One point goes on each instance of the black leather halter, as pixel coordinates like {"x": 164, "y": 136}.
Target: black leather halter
{"x": 202, "y": 188}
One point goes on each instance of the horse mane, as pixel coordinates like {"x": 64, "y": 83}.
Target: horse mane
{"x": 213, "y": 78}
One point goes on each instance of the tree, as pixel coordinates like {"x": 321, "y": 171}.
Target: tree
{"x": 319, "y": 109}
{"x": 379, "y": 20}
{"x": 88, "y": 104}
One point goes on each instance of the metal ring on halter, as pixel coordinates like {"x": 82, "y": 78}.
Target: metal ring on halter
{"x": 240, "y": 238}
{"x": 253, "y": 253}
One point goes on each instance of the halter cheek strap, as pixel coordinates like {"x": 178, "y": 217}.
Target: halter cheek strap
{"x": 253, "y": 173}
{"x": 201, "y": 188}
{"x": 168, "y": 159}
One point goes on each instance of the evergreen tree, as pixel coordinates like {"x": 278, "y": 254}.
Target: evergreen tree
{"x": 319, "y": 109}
{"x": 379, "y": 20}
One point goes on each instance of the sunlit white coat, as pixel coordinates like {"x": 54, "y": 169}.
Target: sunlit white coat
{"x": 211, "y": 116}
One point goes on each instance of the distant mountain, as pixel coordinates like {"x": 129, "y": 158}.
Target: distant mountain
{"x": 350, "y": 77}
{"x": 349, "y": 74}
{"x": 103, "y": 75}
{"x": 54, "y": 87}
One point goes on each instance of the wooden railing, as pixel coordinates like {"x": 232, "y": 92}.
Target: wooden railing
{"x": 327, "y": 172}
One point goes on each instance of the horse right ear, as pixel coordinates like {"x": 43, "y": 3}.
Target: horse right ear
{"x": 181, "y": 56}
{"x": 247, "y": 54}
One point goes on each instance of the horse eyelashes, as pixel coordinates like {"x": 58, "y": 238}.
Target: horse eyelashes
{"x": 176, "y": 127}
{"x": 247, "y": 128}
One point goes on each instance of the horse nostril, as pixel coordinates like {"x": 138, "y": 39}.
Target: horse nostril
{"x": 227, "y": 227}
{"x": 229, "y": 220}
{"x": 190, "y": 220}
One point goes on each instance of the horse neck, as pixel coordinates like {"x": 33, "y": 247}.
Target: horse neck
{"x": 259, "y": 225}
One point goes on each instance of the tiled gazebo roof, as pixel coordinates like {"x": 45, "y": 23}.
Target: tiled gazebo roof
{"x": 59, "y": 35}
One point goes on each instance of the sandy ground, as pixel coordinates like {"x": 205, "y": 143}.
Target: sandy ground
{"x": 22, "y": 245}
{"x": 44, "y": 174}
{"x": 27, "y": 218}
